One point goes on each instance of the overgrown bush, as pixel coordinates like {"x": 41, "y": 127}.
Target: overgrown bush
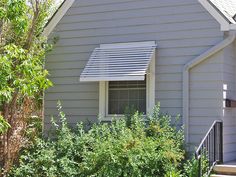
{"x": 23, "y": 78}
{"x": 4, "y": 125}
{"x": 138, "y": 148}
{"x": 190, "y": 168}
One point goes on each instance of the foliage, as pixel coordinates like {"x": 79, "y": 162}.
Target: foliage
{"x": 4, "y": 125}
{"x": 22, "y": 50}
{"x": 144, "y": 148}
{"x": 191, "y": 166}
{"x": 24, "y": 70}
{"x": 22, "y": 75}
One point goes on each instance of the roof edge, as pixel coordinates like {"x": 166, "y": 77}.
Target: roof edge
{"x": 220, "y": 18}
{"x": 57, "y": 16}
{"x": 223, "y": 14}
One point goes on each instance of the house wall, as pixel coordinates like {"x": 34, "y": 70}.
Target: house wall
{"x": 229, "y": 114}
{"x": 183, "y": 30}
{"x": 205, "y": 96}
{"x": 211, "y": 82}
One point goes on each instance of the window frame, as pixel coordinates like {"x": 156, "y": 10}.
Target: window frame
{"x": 150, "y": 94}
{"x": 107, "y": 101}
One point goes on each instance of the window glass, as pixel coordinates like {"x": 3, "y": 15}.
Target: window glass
{"x": 124, "y": 95}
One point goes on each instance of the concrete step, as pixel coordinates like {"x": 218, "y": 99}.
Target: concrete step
{"x": 223, "y": 176}
{"x": 225, "y": 170}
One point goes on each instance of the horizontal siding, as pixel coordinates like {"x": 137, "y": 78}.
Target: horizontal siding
{"x": 206, "y": 103}
{"x": 74, "y": 112}
{"x": 150, "y": 31}
{"x": 138, "y": 29}
{"x": 177, "y": 43}
{"x": 230, "y": 156}
{"x": 84, "y": 3}
{"x": 124, "y": 6}
{"x": 183, "y": 30}
{"x": 229, "y": 117}
{"x": 139, "y": 21}
{"x": 67, "y": 65}
{"x": 74, "y": 119}
{"x": 201, "y": 121}
{"x": 168, "y": 94}
{"x": 71, "y": 96}
{"x": 206, "y": 96}
{"x": 210, "y": 83}
{"x": 84, "y": 103}
{"x": 202, "y": 94}
{"x": 154, "y": 10}
{"x": 205, "y": 112}
{"x": 78, "y": 88}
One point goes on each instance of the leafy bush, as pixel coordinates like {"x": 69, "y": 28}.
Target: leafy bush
{"x": 191, "y": 166}
{"x": 125, "y": 147}
{"x": 4, "y": 125}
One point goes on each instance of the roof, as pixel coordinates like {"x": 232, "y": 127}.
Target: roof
{"x": 227, "y": 8}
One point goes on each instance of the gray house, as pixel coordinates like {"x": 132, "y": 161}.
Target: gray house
{"x": 114, "y": 53}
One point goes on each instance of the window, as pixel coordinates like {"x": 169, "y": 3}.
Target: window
{"x": 123, "y": 95}
{"x": 117, "y": 96}
{"x": 126, "y": 76}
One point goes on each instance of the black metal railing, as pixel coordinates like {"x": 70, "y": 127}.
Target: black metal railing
{"x": 210, "y": 151}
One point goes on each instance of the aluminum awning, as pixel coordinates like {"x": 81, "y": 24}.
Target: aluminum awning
{"x": 119, "y": 62}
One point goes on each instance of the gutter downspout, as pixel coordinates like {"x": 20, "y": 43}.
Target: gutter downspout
{"x": 218, "y": 47}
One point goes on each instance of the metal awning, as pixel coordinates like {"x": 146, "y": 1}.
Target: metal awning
{"x": 119, "y": 62}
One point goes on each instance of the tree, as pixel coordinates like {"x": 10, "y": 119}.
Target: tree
{"x": 22, "y": 75}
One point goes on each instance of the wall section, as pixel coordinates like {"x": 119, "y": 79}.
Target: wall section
{"x": 205, "y": 97}
{"x": 183, "y": 30}
{"x": 229, "y": 114}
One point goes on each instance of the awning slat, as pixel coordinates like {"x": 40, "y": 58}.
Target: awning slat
{"x": 114, "y": 62}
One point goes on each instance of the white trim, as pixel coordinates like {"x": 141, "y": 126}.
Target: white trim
{"x": 125, "y": 78}
{"x": 57, "y": 17}
{"x": 106, "y": 101}
{"x": 150, "y": 95}
{"x": 224, "y": 24}
{"x": 128, "y": 44}
{"x": 221, "y": 45}
{"x": 151, "y": 85}
{"x": 102, "y": 99}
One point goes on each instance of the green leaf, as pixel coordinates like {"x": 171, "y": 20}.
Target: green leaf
{"x": 4, "y": 125}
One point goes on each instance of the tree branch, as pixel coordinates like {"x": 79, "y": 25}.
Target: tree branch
{"x": 36, "y": 12}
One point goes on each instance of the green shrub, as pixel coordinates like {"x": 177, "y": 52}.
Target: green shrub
{"x": 191, "y": 167}
{"x": 4, "y": 125}
{"x": 138, "y": 148}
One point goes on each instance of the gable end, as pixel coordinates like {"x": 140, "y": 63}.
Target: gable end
{"x": 57, "y": 17}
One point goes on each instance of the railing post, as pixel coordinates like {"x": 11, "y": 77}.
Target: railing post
{"x": 212, "y": 143}
{"x": 221, "y": 142}
{"x": 199, "y": 168}
{"x": 215, "y": 142}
